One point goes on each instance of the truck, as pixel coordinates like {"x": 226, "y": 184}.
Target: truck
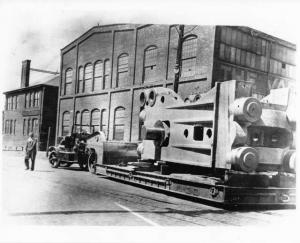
{"x": 71, "y": 150}
{"x": 224, "y": 146}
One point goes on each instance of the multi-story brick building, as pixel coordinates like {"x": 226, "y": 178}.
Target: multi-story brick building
{"x": 30, "y": 109}
{"x": 104, "y": 71}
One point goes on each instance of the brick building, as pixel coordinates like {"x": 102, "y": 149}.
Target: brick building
{"x": 104, "y": 70}
{"x": 30, "y": 108}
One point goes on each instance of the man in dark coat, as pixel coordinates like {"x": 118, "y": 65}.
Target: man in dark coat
{"x": 31, "y": 148}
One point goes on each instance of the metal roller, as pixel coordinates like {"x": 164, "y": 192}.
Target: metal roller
{"x": 158, "y": 133}
{"x": 246, "y": 109}
{"x": 289, "y": 161}
{"x": 244, "y": 159}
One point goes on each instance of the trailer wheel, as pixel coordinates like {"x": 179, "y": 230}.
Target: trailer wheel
{"x": 92, "y": 161}
{"x": 53, "y": 160}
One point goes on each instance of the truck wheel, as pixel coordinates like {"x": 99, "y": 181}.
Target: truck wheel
{"x": 82, "y": 161}
{"x": 53, "y": 160}
{"x": 92, "y": 161}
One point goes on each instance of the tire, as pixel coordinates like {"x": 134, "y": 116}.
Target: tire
{"x": 82, "y": 161}
{"x": 53, "y": 160}
{"x": 92, "y": 161}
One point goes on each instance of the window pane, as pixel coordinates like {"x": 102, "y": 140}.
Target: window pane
{"x": 66, "y": 124}
{"x": 150, "y": 63}
{"x": 98, "y": 75}
{"x": 77, "y": 121}
{"x": 119, "y": 123}
{"x": 104, "y": 119}
{"x": 222, "y": 51}
{"x": 88, "y": 71}
{"x": 80, "y": 80}
{"x": 95, "y": 120}
{"x": 68, "y": 81}
{"x": 188, "y": 67}
{"x": 122, "y": 70}
{"x": 106, "y": 82}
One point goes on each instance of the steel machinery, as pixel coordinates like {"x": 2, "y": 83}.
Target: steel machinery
{"x": 223, "y": 146}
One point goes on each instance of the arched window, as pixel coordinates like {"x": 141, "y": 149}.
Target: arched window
{"x": 77, "y": 121}
{"x": 68, "y": 81}
{"x": 122, "y": 75}
{"x": 106, "y": 81}
{"x": 150, "y": 60}
{"x": 98, "y": 75}
{"x": 80, "y": 80}
{"x": 85, "y": 121}
{"x": 88, "y": 74}
{"x": 104, "y": 120}
{"x": 119, "y": 123}
{"x": 189, "y": 53}
{"x": 65, "y": 128}
{"x": 95, "y": 120}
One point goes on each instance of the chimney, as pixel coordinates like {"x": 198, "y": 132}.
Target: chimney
{"x": 25, "y": 73}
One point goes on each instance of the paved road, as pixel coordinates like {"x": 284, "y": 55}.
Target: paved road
{"x": 68, "y": 196}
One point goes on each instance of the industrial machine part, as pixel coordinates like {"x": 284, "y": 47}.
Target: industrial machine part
{"x": 71, "y": 150}
{"x": 224, "y": 146}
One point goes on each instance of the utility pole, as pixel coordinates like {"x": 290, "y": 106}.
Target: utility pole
{"x": 177, "y": 68}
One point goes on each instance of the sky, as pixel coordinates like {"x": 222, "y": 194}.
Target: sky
{"x": 37, "y": 30}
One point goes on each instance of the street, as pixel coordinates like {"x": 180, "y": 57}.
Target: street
{"x": 69, "y": 196}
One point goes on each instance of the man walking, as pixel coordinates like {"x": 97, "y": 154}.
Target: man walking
{"x": 30, "y": 149}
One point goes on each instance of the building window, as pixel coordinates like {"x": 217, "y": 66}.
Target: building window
{"x": 36, "y": 99}
{"x": 150, "y": 59}
{"x": 28, "y": 126}
{"x": 6, "y": 128}
{"x": 88, "y": 74}
{"x": 10, "y": 126}
{"x": 65, "y": 130}
{"x": 15, "y": 121}
{"x": 77, "y": 121}
{"x": 35, "y": 126}
{"x": 9, "y": 103}
{"x": 68, "y": 81}
{"x": 24, "y": 127}
{"x": 106, "y": 81}
{"x": 98, "y": 75}
{"x": 122, "y": 75}
{"x": 189, "y": 52}
{"x": 85, "y": 121}
{"x": 27, "y": 100}
{"x": 104, "y": 119}
{"x": 18, "y": 102}
{"x": 31, "y": 100}
{"x": 80, "y": 80}
{"x": 119, "y": 123}
{"x": 95, "y": 120}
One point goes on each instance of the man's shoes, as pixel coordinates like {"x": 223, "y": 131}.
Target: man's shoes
{"x": 32, "y": 169}
{"x": 26, "y": 168}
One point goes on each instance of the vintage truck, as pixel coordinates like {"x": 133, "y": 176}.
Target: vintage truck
{"x": 71, "y": 150}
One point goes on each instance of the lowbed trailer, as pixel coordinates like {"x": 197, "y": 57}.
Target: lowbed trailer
{"x": 224, "y": 147}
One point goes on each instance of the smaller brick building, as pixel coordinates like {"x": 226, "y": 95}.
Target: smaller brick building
{"x": 30, "y": 109}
